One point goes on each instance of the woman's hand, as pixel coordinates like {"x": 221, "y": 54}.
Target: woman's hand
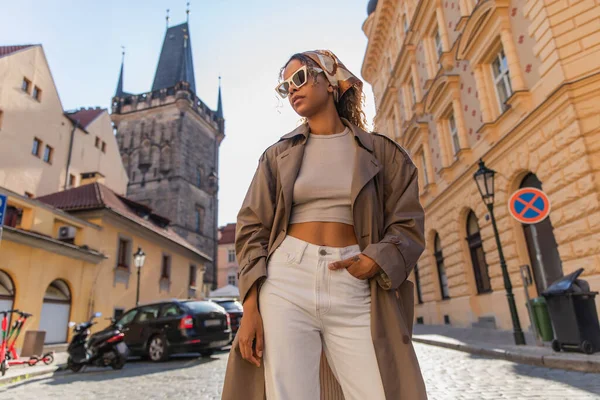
{"x": 251, "y": 330}
{"x": 359, "y": 266}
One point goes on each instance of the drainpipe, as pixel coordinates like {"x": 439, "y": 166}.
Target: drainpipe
{"x": 75, "y": 125}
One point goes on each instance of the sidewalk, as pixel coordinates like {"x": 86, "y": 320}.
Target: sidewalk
{"x": 500, "y": 344}
{"x": 18, "y": 373}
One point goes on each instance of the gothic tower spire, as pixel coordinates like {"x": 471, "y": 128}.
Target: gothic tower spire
{"x": 119, "y": 92}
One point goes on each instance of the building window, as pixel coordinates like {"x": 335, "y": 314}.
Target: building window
{"x": 155, "y": 172}
{"x": 48, "y": 153}
{"x": 72, "y": 180}
{"x": 424, "y": 168}
{"x": 97, "y": 142}
{"x": 501, "y": 79}
{"x": 192, "y": 276}
{"x": 133, "y": 176}
{"x": 118, "y": 313}
{"x": 123, "y": 253}
{"x": 199, "y": 219}
{"x": 231, "y": 255}
{"x": 439, "y": 260}
{"x": 453, "y": 133}
{"x": 26, "y": 85}
{"x": 13, "y": 216}
{"x": 418, "y": 284}
{"x": 37, "y": 93}
{"x": 480, "y": 267}
{"x": 165, "y": 270}
{"x": 37, "y": 145}
{"x": 104, "y": 147}
{"x": 405, "y": 23}
{"x": 438, "y": 44}
{"x": 231, "y": 279}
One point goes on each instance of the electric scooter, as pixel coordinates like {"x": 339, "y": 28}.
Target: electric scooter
{"x": 13, "y": 358}
{"x": 102, "y": 349}
{"x": 3, "y": 344}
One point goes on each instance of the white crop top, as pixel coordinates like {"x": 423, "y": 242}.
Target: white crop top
{"x": 322, "y": 188}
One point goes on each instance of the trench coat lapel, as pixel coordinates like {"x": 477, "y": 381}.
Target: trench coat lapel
{"x": 366, "y": 167}
{"x": 288, "y": 165}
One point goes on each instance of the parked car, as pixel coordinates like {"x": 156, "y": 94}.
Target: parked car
{"x": 160, "y": 329}
{"x": 235, "y": 310}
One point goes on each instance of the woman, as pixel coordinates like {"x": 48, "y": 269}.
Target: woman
{"x": 330, "y": 227}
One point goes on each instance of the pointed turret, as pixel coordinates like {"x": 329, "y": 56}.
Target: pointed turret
{"x": 175, "y": 63}
{"x": 219, "y": 103}
{"x": 119, "y": 92}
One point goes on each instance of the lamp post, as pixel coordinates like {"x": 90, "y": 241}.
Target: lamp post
{"x": 484, "y": 177}
{"x": 138, "y": 258}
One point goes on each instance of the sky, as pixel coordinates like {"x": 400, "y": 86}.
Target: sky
{"x": 246, "y": 42}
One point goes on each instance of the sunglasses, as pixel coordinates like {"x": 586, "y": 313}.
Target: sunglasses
{"x": 299, "y": 78}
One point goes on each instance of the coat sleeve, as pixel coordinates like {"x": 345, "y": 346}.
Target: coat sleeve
{"x": 403, "y": 239}
{"x": 253, "y": 227}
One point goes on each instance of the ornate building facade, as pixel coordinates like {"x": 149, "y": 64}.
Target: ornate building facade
{"x": 169, "y": 142}
{"x": 516, "y": 84}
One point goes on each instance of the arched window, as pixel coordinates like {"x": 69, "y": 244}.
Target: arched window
{"x": 7, "y": 291}
{"x": 439, "y": 260}
{"x": 165, "y": 159}
{"x": 56, "y": 310}
{"x": 418, "y": 284}
{"x": 480, "y": 267}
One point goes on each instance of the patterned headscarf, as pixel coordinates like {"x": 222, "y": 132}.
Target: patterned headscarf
{"x": 337, "y": 74}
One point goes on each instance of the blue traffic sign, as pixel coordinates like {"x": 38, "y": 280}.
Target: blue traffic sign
{"x": 2, "y": 209}
{"x": 529, "y": 205}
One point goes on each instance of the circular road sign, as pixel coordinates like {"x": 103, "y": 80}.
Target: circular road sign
{"x": 529, "y": 205}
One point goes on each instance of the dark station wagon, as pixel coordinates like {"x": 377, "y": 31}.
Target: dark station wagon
{"x": 160, "y": 329}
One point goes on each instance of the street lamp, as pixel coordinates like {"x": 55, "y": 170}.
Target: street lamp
{"x": 138, "y": 258}
{"x": 484, "y": 177}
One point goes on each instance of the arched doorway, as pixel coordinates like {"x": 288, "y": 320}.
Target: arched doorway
{"x": 480, "y": 267}
{"x": 55, "y": 312}
{"x": 7, "y": 291}
{"x": 541, "y": 244}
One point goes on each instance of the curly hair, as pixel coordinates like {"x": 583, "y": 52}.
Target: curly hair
{"x": 349, "y": 106}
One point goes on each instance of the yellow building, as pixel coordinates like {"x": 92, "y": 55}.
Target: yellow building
{"x": 68, "y": 254}
{"x": 44, "y": 149}
{"x": 516, "y": 84}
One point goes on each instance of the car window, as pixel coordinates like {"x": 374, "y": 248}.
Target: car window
{"x": 127, "y": 317}
{"x": 231, "y": 305}
{"x": 148, "y": 313}
{"x": 203, "y": 306}
{"x": 170, "y": 310}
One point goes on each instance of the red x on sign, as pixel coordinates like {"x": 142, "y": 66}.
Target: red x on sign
{"x": 529, "y": 205}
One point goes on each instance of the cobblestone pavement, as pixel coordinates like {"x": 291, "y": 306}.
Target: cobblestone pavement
{"x": 449, "y": 374}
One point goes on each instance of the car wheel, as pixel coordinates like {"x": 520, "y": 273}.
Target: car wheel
{"x": 207, "y": 353}
{"x": 157, "y": 349}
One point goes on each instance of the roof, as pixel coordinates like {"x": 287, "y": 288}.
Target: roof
{"x": 85, "y": 116}
{"x": 175, "y": 63}
{"x": 227, "y": 234}
{"x": 97, "y": 196}
{"x": 7, "y": 50}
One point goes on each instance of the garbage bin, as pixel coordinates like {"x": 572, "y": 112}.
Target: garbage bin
{"x": 573, "y": 313}
{"x": 541, "y": 318}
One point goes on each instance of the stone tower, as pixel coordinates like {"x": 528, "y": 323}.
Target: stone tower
{"x": 169, "y": 142}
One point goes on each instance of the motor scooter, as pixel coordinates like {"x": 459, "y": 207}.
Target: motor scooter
{"x": 102, "y": 349}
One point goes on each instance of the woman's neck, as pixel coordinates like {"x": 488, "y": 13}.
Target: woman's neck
{"x": 327, "y": 122}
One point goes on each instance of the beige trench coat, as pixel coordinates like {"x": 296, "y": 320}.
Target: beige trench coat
{"x": 388, "y": 223}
